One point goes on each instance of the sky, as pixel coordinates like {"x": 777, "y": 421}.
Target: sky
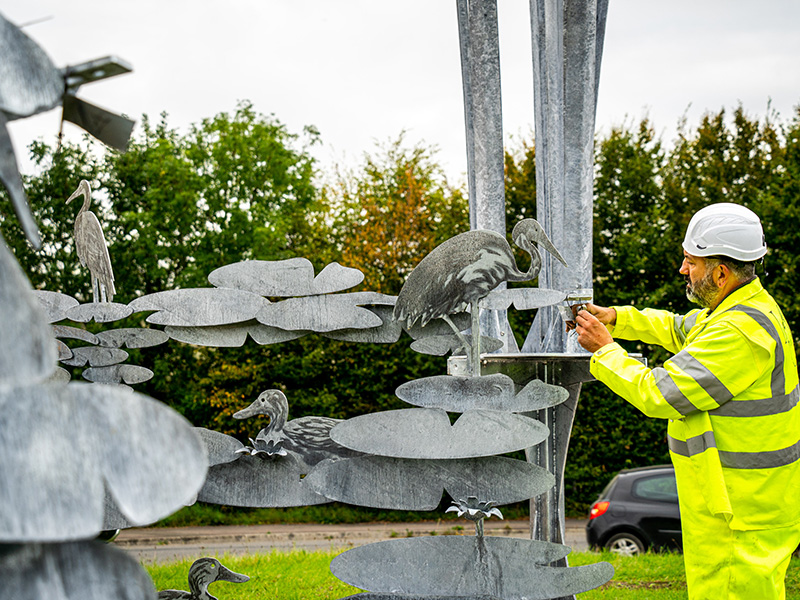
{"x": 362, "y": 71}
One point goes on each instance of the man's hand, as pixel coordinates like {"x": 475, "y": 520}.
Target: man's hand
{"x": 592, "y": 333}
{"x": 607, "y": 316}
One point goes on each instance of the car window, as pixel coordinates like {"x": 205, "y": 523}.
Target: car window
{"x": 660, "y": 487}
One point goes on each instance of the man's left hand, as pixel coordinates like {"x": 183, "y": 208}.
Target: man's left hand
{"x": 592, "y": 334}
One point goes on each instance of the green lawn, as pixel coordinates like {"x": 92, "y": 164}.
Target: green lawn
{"x": 301, "y": 575}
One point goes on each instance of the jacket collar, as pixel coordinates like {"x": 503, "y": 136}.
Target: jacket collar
{"x": 739, "y": 295}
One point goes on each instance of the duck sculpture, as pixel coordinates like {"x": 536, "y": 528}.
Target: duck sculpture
{"x": 462, "y": 270}
{"x": 202, "y": 573}
{"x": 308, "y": 438}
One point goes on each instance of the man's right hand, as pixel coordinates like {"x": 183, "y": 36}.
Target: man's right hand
{"x": 607, "y": 316}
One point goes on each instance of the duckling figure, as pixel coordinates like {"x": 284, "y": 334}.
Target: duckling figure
{"x": 308, "y": 438}
{"x": 203, "y": 572}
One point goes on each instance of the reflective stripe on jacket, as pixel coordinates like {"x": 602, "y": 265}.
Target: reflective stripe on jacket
{"x": 730, "y": 393}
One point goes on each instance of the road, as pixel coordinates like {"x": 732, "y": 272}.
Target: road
{"x": 165, "y": 544}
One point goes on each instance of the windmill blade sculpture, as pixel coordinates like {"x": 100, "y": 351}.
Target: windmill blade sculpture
{"x": 30, "y": 84}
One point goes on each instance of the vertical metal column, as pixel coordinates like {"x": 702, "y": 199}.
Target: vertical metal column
{"x": 480, "y": 69}
{"x": 567, "y": 40}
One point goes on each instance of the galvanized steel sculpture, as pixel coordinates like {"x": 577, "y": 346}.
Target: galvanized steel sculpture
{"x": 464, "y": 269}
{"x": 307, "y": 437}
{"x": 202, "y": 573}
{"x": 30, "y": 84}
{"x": 91, "y": 247}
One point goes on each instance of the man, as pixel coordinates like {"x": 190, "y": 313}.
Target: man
{"x": 730, "y": 393}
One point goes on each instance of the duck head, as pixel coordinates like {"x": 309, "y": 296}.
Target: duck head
{"x": 205, "y": 571}
{"x": 271, "y": 403}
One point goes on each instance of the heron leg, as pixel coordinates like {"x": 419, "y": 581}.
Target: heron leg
{"x": 476, "y": 339}
{"x": 464, "y": 342}
{"x": 95, "y": 290}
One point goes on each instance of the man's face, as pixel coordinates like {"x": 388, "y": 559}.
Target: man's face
{"x": 700, "y": 286}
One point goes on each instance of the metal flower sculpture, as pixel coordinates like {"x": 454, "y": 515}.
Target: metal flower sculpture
{"x": 475, "y": 511}
{"x": 202, "y": 573}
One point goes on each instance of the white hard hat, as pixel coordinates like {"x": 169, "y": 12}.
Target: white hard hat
{"x": 725, "y": 229}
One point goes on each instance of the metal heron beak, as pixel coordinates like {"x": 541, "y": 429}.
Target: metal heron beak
{"x": 81, "y": 191}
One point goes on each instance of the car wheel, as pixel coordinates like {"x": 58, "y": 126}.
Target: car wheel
{"x": 625, "y": 544}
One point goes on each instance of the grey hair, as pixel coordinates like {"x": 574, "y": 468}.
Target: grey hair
{"x": 741, "y": 270}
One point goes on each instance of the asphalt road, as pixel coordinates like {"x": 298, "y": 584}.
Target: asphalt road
{"x": 169, "y": 544}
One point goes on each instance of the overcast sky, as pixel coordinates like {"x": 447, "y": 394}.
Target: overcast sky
{"x": 363, "y": 70}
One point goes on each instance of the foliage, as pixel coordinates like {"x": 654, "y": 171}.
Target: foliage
{"x": 393, "y": 211}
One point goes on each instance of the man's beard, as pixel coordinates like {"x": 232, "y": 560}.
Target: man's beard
{"x": 704, "y": 292}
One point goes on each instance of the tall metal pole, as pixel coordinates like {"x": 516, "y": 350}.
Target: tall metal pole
{"x": 567, "y": 38}
{"x": 480, "y": 68}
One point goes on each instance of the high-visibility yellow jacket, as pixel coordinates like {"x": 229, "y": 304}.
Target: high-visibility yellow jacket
{"x": 730, "y": 393}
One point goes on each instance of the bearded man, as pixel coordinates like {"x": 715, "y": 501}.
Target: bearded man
{"x": 730, "y": 394}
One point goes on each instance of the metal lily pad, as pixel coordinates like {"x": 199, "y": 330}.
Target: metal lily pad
{"x": 74, "y": 333}
{"x": 73, "y": 571}
{"x": 440, "y": 345}
{"x": 96, "y": 356}
{"x": 284, "y": 278}
{"x": 114, "y": 374}
{"x": 27, "y": 346}
{"x": 101, "y": 312}
{"x": 220, "y": 448}
{"x": 231, "y": 336}
{"x": 200, "y": 307}
{"x": 387, "y": 333}
{"x": 507, "y": 568}
{"x": 324, "y": 313}
{"x": 408, "y": 484}
{"x": 495, "y": 391}
{"x": 439, "y": 327}
{"x": 131, "y": 337}
{"x": 427, "y": 433}
{"x": 522, "y": 298}
{"x": 97, "y": 438}
{"x": 55, "y": 304}
{"x": 59, "y": 376}
{"x": 259, "y": 483}
{"x": 64, "y": 353}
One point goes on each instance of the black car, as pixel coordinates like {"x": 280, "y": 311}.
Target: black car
{"x": 637, "y": 511}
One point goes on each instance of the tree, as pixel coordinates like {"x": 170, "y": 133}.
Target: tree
{"x": 392, "y": 212}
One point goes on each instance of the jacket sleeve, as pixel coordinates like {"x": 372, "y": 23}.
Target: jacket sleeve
{"x": 701, "y": 377}
{"x": 653, "y": 326}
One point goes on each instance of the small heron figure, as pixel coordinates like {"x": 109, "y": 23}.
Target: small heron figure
{"x": 202, "y": 573}
{"x": 91, "y": 247}
{"x": 307, "y": 437}
{"x": 462, "y": 270}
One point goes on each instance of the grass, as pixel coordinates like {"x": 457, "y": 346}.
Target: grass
{"x": 301, "y": 575}
{"x": 333, "y": 513}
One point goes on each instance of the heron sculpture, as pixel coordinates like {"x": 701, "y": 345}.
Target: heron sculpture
{"x": 202, "y": 573}
{"x": 90, "y": 244}
{"x": 306, "y": 437}
{"x": 462, "y": 270}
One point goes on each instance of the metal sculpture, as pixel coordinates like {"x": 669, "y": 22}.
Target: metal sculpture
{"x": 465, "y": 567}
{"x": 91, "y": 247}
{"x": 464, "y": 269}
{"x": 202, "y": 573}
{"x": 29, "y": 84}
{"x": 476, "y": 511}
{"x": 496, "y": 392}
{"x": 308, "y": 438}
{"x": 427, "y": 433}
{"x": 72, "y": 571}
{"x": 416, "y": 484}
